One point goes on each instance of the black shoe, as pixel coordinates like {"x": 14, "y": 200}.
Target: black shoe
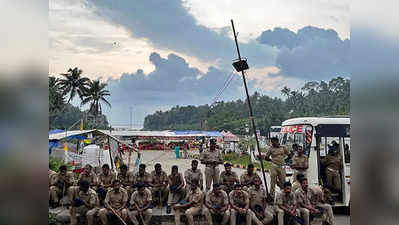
{"x": 168, "y": 209}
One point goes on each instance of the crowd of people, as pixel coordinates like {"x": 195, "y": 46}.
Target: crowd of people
{"x": 132, "y": 196}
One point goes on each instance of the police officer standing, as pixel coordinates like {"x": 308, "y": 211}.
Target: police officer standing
{"x": 333, "y": 163}
{"x": 299, "y": 162}
{"x": 278, "y": 154}
{"x": 211, "y": 158}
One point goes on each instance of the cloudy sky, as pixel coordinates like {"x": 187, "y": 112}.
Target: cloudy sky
{"x": 155, "y": 54}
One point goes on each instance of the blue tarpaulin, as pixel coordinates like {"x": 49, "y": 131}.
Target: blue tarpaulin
{"x": 55, "y": 131}
{"x": 198, "y": 132}
{"x": 51, "y": 145}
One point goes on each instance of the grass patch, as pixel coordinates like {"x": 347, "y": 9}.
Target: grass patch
{"x": 244, "y": 160}
{"x": 55, "y": 163}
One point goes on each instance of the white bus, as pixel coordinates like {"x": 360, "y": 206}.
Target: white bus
{"x": 315, "y": 134}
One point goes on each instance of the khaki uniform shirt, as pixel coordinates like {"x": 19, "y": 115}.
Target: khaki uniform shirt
{"x": 51, "y": 177}
{"x": 189, "y": 175}
{"x": 317, "y": 194}
{"x": 116, "y": 200}
{"x": 90, "y": 197}
{"x": 213, "y": 200}
{"x": 228, "y": 179}
{"x": 175, "y": 180}
{"x": 195, "y": 197}
{"x": 295, "y": 186}
{"x": 245, "y": 178}
{"x": 334, "y": 162}
{"x": 141, "y": 200}
{"x": 146, "y": 178}
{"x": 286, "y": 200}
{"x": 300, "y": 161}
{"x": 303, "y": 197}
{"x": 127, "y": 179}
{"x": 157, "y": 179}
{"x": 107, "y": 179}
{"x": 208, "y": 156}
{"x": 256, "y": 197}
{"x": 67, "y": 178}
{"x": 239, "y": 198}
{"x": 278, "y": 155}
{"x": 91, "y": 178}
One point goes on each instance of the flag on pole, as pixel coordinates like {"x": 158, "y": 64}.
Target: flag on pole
{"x": 81, "y": 124}
{"x": 66, "y": 147}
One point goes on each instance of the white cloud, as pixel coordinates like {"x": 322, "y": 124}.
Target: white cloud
{"x": 251, "y": 17}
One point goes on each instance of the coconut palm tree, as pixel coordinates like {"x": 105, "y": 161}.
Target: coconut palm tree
{"x": 94, "y": 95}
{"x": 73, "y": 83}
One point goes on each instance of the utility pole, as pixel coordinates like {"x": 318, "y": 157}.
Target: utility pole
{"x": 240, "y": 66}
{"x": 131, "y": 117}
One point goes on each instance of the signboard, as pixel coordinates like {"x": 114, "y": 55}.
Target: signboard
{"x": 114, "y": 150}
{"x": 292, "y": 129}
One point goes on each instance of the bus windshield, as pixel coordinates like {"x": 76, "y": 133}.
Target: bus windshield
{"x": 297, "y": 134}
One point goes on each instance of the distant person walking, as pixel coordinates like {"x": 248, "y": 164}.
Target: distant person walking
{"x": 177, "y": 151}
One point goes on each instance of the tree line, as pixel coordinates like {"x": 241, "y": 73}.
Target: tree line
{"x": 62, "y": 90}
{"x": 315, "y": 98}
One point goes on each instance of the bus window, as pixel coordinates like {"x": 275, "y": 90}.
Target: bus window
{"x": 347, "y": 153}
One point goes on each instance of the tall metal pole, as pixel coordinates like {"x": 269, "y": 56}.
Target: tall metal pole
{"x": 250, "y": 112}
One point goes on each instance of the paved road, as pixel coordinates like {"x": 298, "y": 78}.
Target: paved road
{"x": 168, "y": 159}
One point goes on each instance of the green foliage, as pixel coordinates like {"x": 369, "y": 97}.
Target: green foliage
{"x": 63, "y": 115}
{"x": 52, "y": 220}
{"x": 55, "y": 163}
{"x": 244, "y": 160}
{"x": 313, "y": 99}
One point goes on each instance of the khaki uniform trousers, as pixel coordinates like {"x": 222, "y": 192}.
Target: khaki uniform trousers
{"x": 162, "y": 194}
{"x": 190, "y": 213}
{"x": 83, "y": 211}
{"x": 211, "y": 174}
{"x": 277, "y": 176}
{"x": 104, "y": 213}
{"x": 330, "y": 215}
{"x": 174, "y": 198}
{"x": 268, "y": 217}
{"x": 234, "y": 214}
{"x": 333, "y": 178}
{"x": 147, "y": 215}
{"x": 280, "y": 215}
{"x": 225, "y": 215}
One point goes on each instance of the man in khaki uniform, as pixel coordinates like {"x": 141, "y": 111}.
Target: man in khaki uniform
{"x": 191, "y": 205}
{"x": 85, "y": 202}
{"x": 228, "y": 178}
{"x": 333, "y": 163}
{"x": 193, "y": 174}
{"x": 106, "y": 177}
{"x": 140, "y": 205}
{"x": 159, "y": 184}
{"x": 318, "y": 200}
{"x": 126, "y": 179}
{"x": 60, "y": 184}
{"x": 115, "y": 202}
{"x": 142, "y": 177}
{"x": 278, "y": 154}
{"x": 258, "y": 204}
{"x": 286, "y": 204}
{"x": 303, "y": 197}
{"x": 247, "y": 178}
{"x": 89, "y": 176}
{"x": 299, "y": 162}
{"x": 51, "y": 179}
{"x": 217, "y": 203}
{"x": 239, "y": 203}
{"x": 176, "y": 188}
{"x": 211, "y": 158}
{"x": 296, "y": 185}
